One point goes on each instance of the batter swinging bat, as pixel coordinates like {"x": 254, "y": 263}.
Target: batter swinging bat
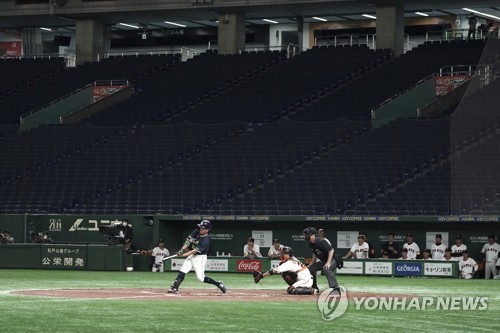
{"x": 169, "y": 257}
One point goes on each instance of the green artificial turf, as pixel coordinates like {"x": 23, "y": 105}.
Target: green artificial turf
{"x": 44, "y": 314}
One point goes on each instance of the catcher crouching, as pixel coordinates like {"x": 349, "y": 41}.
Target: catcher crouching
{"x": 295, "y": 274}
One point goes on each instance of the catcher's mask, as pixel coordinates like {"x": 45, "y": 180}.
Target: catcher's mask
{"x": 286, "y": 250}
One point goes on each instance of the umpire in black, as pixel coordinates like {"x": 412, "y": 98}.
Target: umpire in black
{"x": 326, "y": 262}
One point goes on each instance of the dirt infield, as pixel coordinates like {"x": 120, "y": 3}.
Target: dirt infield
{"x": 184, "y": 294}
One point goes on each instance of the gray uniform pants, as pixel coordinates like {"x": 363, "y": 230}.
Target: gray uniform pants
{"x": 330, "y": 276}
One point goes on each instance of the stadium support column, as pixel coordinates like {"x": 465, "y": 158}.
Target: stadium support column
{"x": 300, "y": 31}
{"x": 231, "y": 33}
{"x": 90, "y": 40}
{"x": 32, "y": 42}
{"x": 390, "y": 26}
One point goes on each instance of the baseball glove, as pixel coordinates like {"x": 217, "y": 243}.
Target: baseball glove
{"x": 257, "y": 276}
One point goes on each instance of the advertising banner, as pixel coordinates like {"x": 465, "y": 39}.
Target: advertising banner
{"x": 99, "y": 92}
{"x": 248, "y": 265}
{"x": 351, "y": 267}
{"x": 438, "y": 268}
{"x": 212, "y": 265}
{"x": 408, "y": 268}
{"x": 64, "y": 257}
{"x": 12, "y": 49}
{"x": 445, "y": 84}
{"x": 378, "y": 268}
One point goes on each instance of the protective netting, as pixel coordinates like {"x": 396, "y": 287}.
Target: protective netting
{"x": 475, "y": 140}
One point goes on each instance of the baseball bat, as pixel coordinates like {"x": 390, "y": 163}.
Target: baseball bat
{"x": 169, "y": 257}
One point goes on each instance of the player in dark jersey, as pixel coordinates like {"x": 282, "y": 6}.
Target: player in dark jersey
{"x": 195, "y": 251}
{"x": 323, "y": 258}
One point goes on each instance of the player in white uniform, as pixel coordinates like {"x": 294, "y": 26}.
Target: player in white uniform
{"x": 195, "y": 251}
{"x": 448, "y": 256}
{"x": 359, "y": 250}
{"x": 159, "y": 253}
{"x": 490, "y": 251}
{"x": 275, "y": 250}
{"x": 426, "y": 254}
{"x": 295, "y": 273}
{"x": 438, "y": 248}
{"x": 459, "y": 247}
{"x": 467, "y": 266}
{"x": 412, "y": 247}
{"x": 251, "y": 250}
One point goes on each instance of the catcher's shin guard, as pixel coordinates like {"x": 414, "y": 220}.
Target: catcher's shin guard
{"x": 300, "y": 291}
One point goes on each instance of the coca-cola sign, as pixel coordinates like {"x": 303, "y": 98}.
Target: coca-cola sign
{"x": 249, "y": 265}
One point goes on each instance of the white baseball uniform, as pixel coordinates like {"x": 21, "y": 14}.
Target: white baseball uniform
{"x": 360, "y": 251}
{"x": 159, "y": 254}
{"x": 458, "y": 249}
{"x": 273, "y": 251}
{"x": 451, "y": 259}
{"x": 467, "y": 268}
{"x": 413, "y": 250}
{"x": 256, "y": 249}
{"x": 304, "y": 278}
{"x": 438, "y": 251}
{"x": 491, "y": 256}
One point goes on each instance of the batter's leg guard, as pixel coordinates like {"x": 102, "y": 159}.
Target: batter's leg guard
{"x": 210, "y": 281}
{"x": 178, "y": 280}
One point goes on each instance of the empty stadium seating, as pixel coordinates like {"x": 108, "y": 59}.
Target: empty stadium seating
{"x": 256, "y": 133}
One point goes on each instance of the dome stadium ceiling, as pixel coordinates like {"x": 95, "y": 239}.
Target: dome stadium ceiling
{"x": 191, "y": 16}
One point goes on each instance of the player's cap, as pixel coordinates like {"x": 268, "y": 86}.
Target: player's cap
{"x": 276, "y": 240}
{"x": 447, "y": 249}
{"x": 206, "y": 224}
{"x": 124, "y": 220}
{"x": 491, "y": 236}
{"x": 405, "y": 250}
{"x": 409, "y": 234}
{"x": 458, "y": 236}
{"x": 465, "y": 251}
{"x": 161, "y": 240}
{"x": 427, "y": 250}
{"x": 361, "y": 236}
{"x": 439, "y": 236}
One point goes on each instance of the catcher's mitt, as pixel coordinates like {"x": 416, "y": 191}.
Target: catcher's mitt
{"x": 257, "y": 276}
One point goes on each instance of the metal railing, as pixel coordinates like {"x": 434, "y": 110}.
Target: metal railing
{"x": 137, "y": 53}
{"x": 338, "y": 40}
{"x": 117, "y": 82}
{"x": 69, "y": 58}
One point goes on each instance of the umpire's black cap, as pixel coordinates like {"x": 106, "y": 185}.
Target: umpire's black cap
{"x": 310, "y": 231}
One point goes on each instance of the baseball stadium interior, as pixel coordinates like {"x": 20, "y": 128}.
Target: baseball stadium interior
{"x": 312, "y": 112}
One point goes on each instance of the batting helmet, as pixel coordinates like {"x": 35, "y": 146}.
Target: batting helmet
{"x": 287, "y": 250}
{"x": 205, "y": 224}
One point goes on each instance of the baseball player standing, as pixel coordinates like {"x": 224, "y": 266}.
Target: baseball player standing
{"x": 459, "y": 247}
{"x": 326, "y": 260}
{"x": 412, "y": 247}
{"x": 438, "y": 248}
{"x": 490, "y": 251}
{"x": 159, "y": 253}
{"x": 195, "y": 250}
{"x": 467, "y": 266}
